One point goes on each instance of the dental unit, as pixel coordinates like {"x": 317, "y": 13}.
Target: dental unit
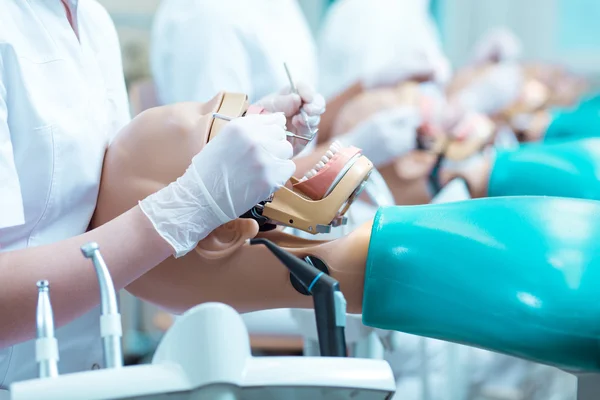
{"x": 207, "y": 353}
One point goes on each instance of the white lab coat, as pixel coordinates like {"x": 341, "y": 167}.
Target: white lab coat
{"x": 201, "y": 47}
{"x": 360, "y": 37}
{"x": 61, "y": 102}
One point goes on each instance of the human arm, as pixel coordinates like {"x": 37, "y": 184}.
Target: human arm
{"x": 129, "y": 244}
{"x": 169, "y": 221}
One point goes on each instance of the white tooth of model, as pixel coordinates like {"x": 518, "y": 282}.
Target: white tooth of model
{"x": 206, "y": 354}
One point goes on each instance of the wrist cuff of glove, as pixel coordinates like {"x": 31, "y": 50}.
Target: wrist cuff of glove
{"x": 181, "y": 219}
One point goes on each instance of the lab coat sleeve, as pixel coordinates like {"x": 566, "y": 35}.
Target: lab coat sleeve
{"x": 11, "y": 201}
{"x": 198, "y": 54}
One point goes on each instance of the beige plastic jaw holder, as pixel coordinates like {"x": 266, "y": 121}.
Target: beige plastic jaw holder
{"x": 290, "y": 207}
{"x": 318, "y": 216}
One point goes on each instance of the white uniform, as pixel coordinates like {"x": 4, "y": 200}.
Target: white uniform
{"x": 360, "y": 37}
{"x": 61, "y": 102}
{"x": 201, "y": 47}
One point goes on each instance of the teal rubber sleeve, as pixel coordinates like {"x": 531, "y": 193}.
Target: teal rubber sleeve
{"x": 567, "y": 169}
{"x": 514, "y": 275}
{"x": 578, "y": 123}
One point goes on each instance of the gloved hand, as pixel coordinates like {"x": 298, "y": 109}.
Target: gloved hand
{"x": 421, "y": 67}
{"x": 290, "y": 104}
{"x": 244, "y": 165}
{"x": 498, "y": 45}
{"x": 386, "y": 135}
{"x": 495, "y": 90}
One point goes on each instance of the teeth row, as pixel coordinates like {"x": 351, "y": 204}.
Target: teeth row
{"x": 333, "y": 149}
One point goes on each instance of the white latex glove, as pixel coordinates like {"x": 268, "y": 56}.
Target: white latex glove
{"x": 244, "y": 165}
{"x": 420, "y": 66}
{"x": 498, "y": 45}
{"x": 386, "y": 135}
{"x": 290, "y": 103}
{"x": 494, "y": 91}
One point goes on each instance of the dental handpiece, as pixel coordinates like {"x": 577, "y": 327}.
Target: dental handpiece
{"x": 302, "y": 112}
{"x": 227, "y": 118}
{"x": 111, "y": 329}
{"x": 46, "y": 345}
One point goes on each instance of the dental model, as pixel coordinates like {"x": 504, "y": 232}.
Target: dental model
{"x": 543, "y": 87}
{"x": 504, "y": 274}
{"x": 408, "y": 177}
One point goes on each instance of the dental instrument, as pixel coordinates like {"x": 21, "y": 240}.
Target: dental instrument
{"x": 227, "y": 118}
{"x": 310, "y": 277}
{"x": 111, "y": 329}
{"x": 302, "y": 112}
{"x": 46, "y": 346}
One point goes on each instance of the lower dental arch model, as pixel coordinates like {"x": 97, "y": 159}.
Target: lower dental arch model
{"x": 514, "y": 275}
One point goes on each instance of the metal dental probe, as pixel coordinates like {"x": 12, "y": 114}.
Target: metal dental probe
{"x": 111, "y": 329}
{"x": 302, "y": 112}
{"x": 46, "y": 346}
{"x": 288, "y": 134}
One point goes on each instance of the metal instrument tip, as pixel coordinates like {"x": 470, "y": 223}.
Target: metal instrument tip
{"x": 43, "y": 284}
{"x": 89, "y": 249}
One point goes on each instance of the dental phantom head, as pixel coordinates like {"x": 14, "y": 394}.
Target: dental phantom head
{"x": 319, "y": 200}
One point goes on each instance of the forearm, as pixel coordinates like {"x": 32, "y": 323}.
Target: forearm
{"x": 129, "y": 245}
{"x": 334, "y": 106}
